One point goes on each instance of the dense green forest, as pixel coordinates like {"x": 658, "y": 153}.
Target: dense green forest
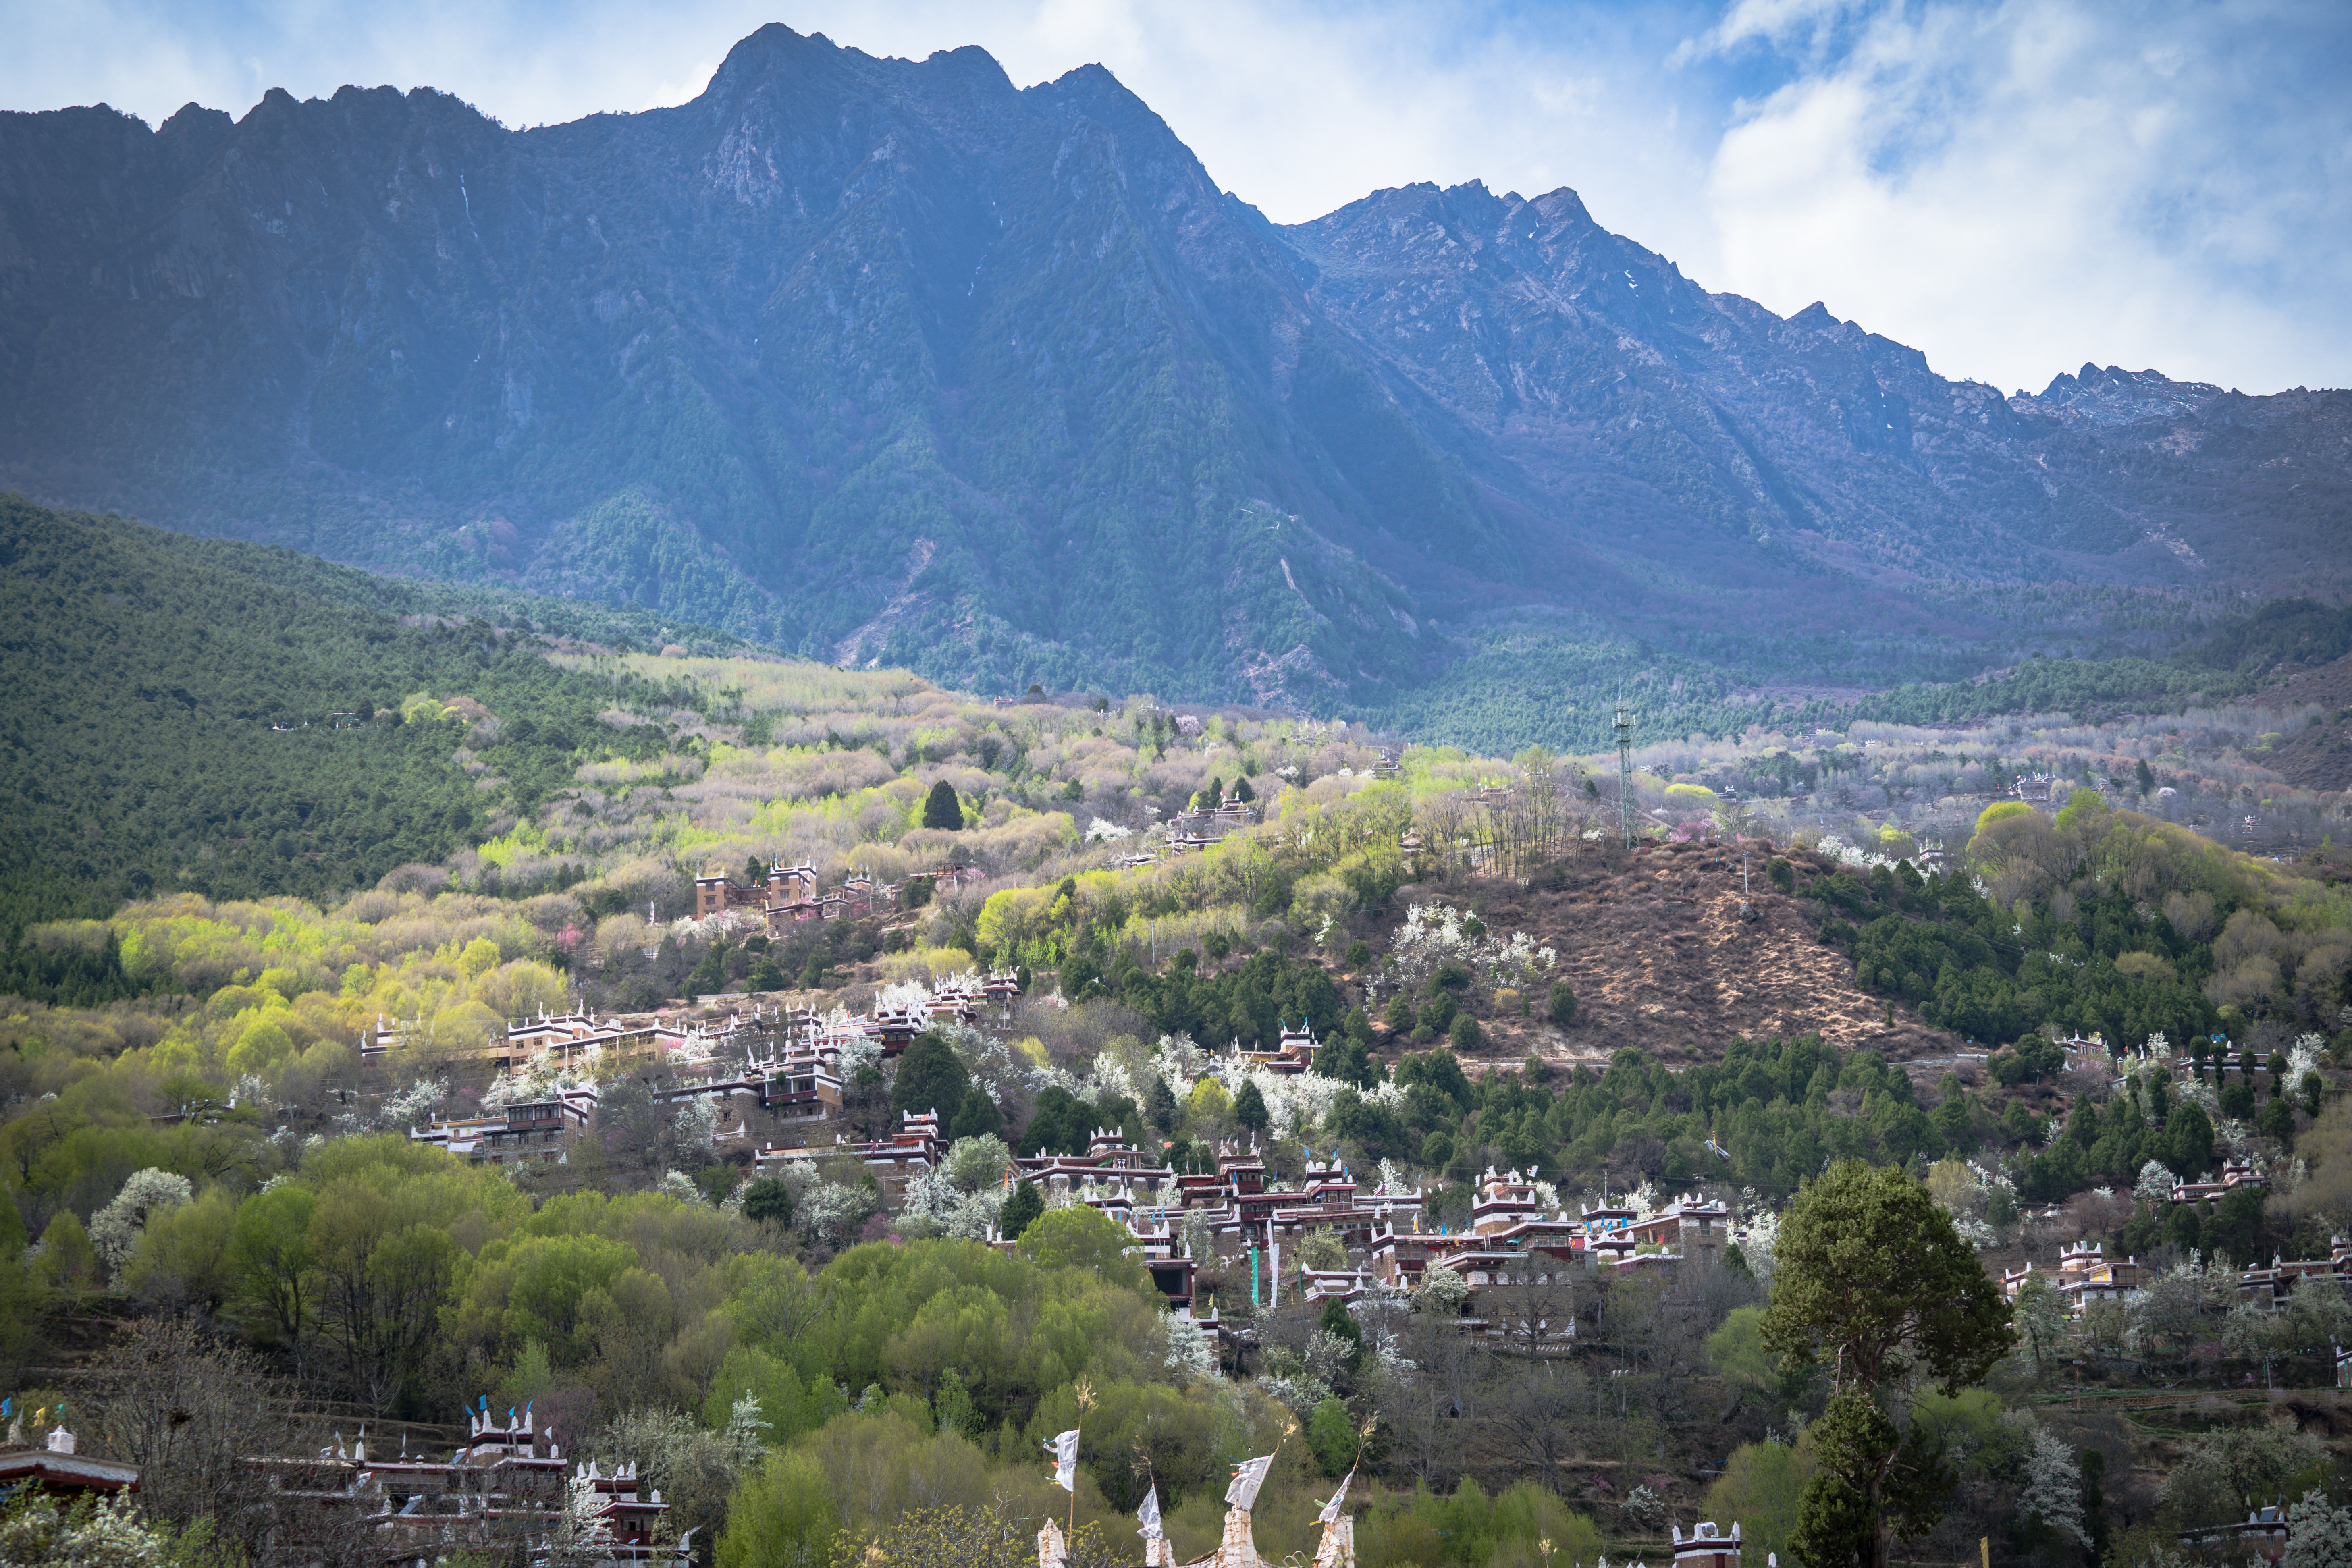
{"x": 236, "y": 719}
{"x": 2283, "y": 631}
{"x": 1528, "y": 681}
{"x": 2087, "y": 688}
{"x": 1978, "y": 970}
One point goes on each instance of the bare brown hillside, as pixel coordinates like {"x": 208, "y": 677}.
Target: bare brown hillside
{"x": 2311, "y": 756}
{"x": 1659, "y": 959}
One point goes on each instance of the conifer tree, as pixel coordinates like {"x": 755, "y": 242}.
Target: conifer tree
{"x": 1875, "y": 1284}
{"x": 941, "y": 808}
{"x": 1020, "y": 1210}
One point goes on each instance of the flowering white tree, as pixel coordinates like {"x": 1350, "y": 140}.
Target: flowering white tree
{"x": 1762, "y": 1241}
{"x": 2318, "y": 1535}
{"x": 1442, "y": 1290}
{"x": 1185, "y": 1350}
{"x": 963, "y": 1197}
{"x": 2053, "y": 1486}
{"x": 696, "y": 1121}
{"x": 857, "y": 1051}
{"x": 747, "y": 1432}
{"x": 412, "y": 1105}
{"x": 901, "y": 994}
{"x": 825, "y": 1212}
{"x": 582, "y": 1538}
{"x": 114, "y": 1230}
{"x": 1432, "y": 935}
{"x": 541, "y": 1077}
{"x": 1295, "y": 1102}
{"x": 2304, "y": 1058}
{"x": 107, "y": 1534}
{"x": 1288, "y": 1378}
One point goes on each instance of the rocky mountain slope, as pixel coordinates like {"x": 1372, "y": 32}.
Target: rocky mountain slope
{"x": 884, "y": 360}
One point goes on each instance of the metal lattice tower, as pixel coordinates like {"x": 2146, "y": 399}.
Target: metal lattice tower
{"x": 1625, "y": 775}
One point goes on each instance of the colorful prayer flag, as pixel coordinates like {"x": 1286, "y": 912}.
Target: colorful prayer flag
{"x": 1065, "y": 1449}
{"x": 1248, "y": 1475}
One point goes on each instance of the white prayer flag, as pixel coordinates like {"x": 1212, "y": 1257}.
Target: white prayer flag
{"x": 1338, "y": 1499}
{"x": 1248, "y": 1475}
{"x": 1065, "y": 1449}
{"x": 1150, "y": 1514}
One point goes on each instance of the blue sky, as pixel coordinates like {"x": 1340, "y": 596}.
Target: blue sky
{"x": 2013, "y": 188}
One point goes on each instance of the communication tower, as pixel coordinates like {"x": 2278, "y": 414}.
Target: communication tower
{"x": 1625, "y": 775}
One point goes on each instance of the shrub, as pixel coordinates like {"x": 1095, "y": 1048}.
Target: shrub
{"x": 1079, "y": 1236}
{"x": 770, "y": 1200}
{"x": 1331, "y": 1432}
{"x": 1438, "y": 1011}
{"x": 1562, "y": 1005}
{"x": 2000, "y": 811}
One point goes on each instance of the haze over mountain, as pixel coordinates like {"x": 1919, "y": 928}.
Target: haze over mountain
{"x": 883, "y": 359}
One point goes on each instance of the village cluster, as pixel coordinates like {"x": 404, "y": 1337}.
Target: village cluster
{"x": 790, "y": 1064}
{"x": 507, "y": 1485}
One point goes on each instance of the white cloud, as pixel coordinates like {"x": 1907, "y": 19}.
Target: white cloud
{"x": 1769, "y": 21}
{"x": 2017, "y": 190}
{"x": 2012, "y": 188}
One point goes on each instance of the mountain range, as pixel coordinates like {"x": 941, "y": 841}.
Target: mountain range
{"x": 879, "y": 360}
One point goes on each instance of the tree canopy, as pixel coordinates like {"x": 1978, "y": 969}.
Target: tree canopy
{"x": 930, "y": 1079}
{"x": 1873, "y": 1282}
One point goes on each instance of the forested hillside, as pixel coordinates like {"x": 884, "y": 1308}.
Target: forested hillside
{"x": 244, "y": 722}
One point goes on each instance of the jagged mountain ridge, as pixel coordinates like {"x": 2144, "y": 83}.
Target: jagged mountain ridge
{"x": 884, "y": 359}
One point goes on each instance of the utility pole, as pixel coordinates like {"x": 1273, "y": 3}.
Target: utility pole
{"x": 1624, "y": 728}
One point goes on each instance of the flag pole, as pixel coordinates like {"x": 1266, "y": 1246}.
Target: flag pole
{"x": 1086, "y": 1403}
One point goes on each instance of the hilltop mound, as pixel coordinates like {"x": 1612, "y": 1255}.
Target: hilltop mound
{"x": 1659, "y": 958}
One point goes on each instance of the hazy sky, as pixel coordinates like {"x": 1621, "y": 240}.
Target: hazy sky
{"x": 2013, "y": 188}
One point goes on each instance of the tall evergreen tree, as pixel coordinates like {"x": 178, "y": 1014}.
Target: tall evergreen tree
{"x": 1020, "y": 1210}
{"x": 941, "y": 809}
{"x": 930, "y": 1079}
{"x": 1873, "y": 1280}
